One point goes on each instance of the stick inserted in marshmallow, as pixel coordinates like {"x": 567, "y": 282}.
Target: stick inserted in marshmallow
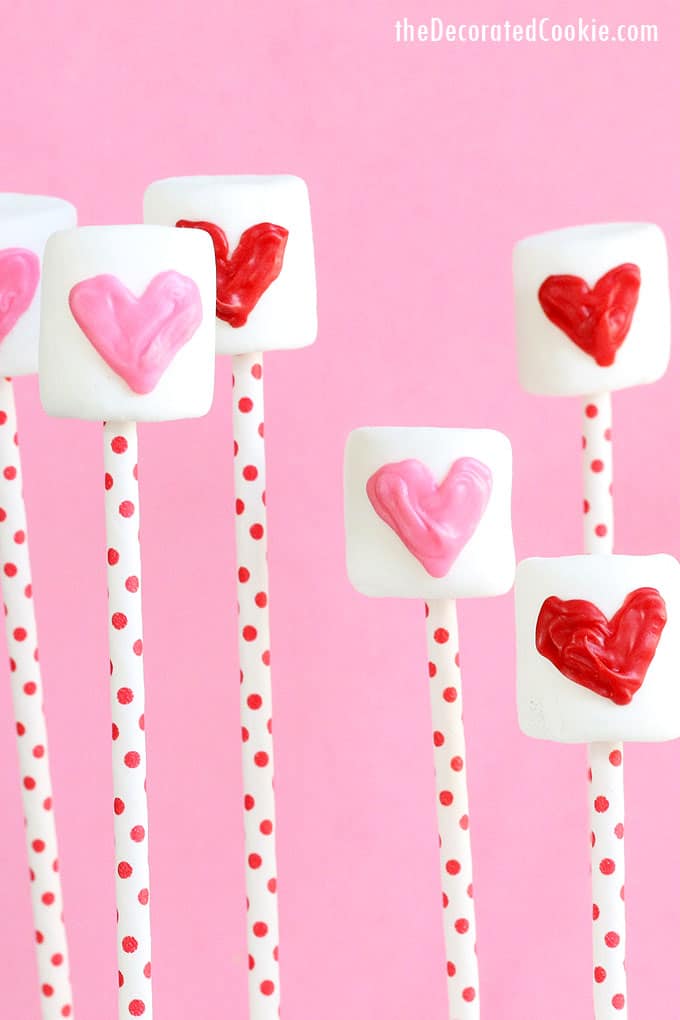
{"x": 128, "y": 336}
{"x": 261, "y": 233}
{"x": 427, "y": 515}
{"x": 26, "y": 222}
{"x": 592, "y": 314}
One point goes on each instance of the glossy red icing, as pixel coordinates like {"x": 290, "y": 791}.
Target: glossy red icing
{"x": 597, "y": 318}
{"x": 253, "y": 266}
{"x": 609, "y": 657}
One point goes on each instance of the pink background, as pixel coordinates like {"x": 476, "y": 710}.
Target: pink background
{"x": 424, "y": 164}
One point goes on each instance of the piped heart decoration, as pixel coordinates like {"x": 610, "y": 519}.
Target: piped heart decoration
{"x": 433, "y": 521}
{"x": 19, "y": 275}
{"x": 254, "y": 265}
{"x": 597, "y": 319}
{"x": 137, "y": 336}
{"x": 609, "y": 657}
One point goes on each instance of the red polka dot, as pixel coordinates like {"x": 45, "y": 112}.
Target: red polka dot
{"x": 260, "y": 929}
{"x": 137, "y": 834}
{"x": 118, "y": 806}
{"x": 108, "y": 482}
{"x": 432, "y": 669}
{"x": 256, "y": 371}
{"x": 611, "y": 939}
{"x": 464, "y": 823}
{"x": 267, "y": 987}
{"x": 29, "y": 783}
{"x": 114, "y": 732}
{"x": 446, "y": 798}
{"x": 618, "y": 830}
{"x": 457, "y": 764}
{"x": 56, "y": 959}
{"x": 261, "y": 759}
{"x": 130, "y": 944}
{"x": 438, "y": 738}
{"x": 66, "y": 1011}
{"x": 441, "y": 635}
{"x": 10, "y": 570}
{"x": 21, "y": 729}
{"x": 47, "y": 990}
{"x": 254, "y": 701}
{"x": 125, "y": 696}
{"x": 586, "y": 506}
{"x": 20, "y": 634}
{"x": 132, "y": 584}
{"x": 597, "y": 466}
{"x": 38, "y": 845}
{"x": 132, "y": 759}
{"x": 450, "y": 694}
{"x": 248, "y": 802}
{"x": 256, "y": 531}
{"x": 469, "y": 994}
{"x": 601, "y": 530}
{"x": 619, "y": 1001}
{"x": 119, "y": 621}
{"x": 143, "y": 897}
{"x": 119, "y": 444}
{"x": 615, "y": 757}
{"x": 266, "y": 828}
{"x": 124, "y": 870}
{"x": 451, "y": 969}
{"x": 601, "y": 804}
{"x": 48, "y": 899}
{"x": 249, "y": 633}
{"x": 39, "y": 938}
{"x": 608, "y": 434}
{"x": 147, "y": 970}
{"x": 112, "y": 557}
{"x": 607, "y": 866}
{"x": 453, "y": 867}
{"x": 10, "y": 473}
{"x": 30, "y": 688}
{"x": 243, "y": 574}
{"x": 250, "y": 473}
{"x": 126, "y": 508}
{"x": 261, "y": 600}
{"x": 137, "y": 1008}
{"x": 240, "y": 507}
{"x": 600, "y": 975}
{"x": 591, "y": 411}
{"x": 462, "y": 926}
{"x": 254, "y": 861}
{"x": 266, "y": 658}
{"x": 138, "y": 647}
{"x": 38, "y": 751}
{"x": 245, "y": 404}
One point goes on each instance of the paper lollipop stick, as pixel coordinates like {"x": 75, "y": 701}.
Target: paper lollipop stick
{"x": 592, "y": 314}
{"x": 452, "y": 808}
{"x": 26, "y": 222}
{"x": 150, "y": 357}
{"x": 261, "y": 232}
{"x": 256, "y": 686}
{"x": 27, "y": 694}
{"x": 605, "y": 760}
{"x": 427, "y": 515}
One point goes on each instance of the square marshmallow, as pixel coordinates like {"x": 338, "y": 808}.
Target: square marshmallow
{"x": 263, "y": 226}
{"x": 605, "y": 327}
{"x": 26, "y": 222}
{"x": 553, "y": 706}
{"x": 147, "y": 307}
{"x": 448, "y": 532}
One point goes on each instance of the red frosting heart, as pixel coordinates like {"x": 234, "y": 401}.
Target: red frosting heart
{"x": 254, "y": 265}
{"x": 597, "y": 319}
{"x": 609, "y": 657}
{"x": 19, "y": 276}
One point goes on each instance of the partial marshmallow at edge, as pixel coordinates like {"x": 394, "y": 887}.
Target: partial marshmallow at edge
{"x": 379, "y": 561}
{"x": 553, "y": 707}
{"x": 167, "y": 313}
{"x": 26, "y": 222}
{"x": 284, "y": 315}
{"x": 552, "y": 363}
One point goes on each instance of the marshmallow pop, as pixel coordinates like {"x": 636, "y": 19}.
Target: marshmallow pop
{"x": 596, "y": 638}
{"x": 427, "y": 516}
{"x": 127, "y": 335}
{"x": 260, "y": 228}
{"x": 26, "y": 222}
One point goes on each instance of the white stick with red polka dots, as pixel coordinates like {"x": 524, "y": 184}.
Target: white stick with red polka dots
{"x": 605, "y": 761}
{"x": 452, "y": 810}
{"x": 127, "y": 707}
{"x": 27, "y": 694}
{"x": 256, "y": 687}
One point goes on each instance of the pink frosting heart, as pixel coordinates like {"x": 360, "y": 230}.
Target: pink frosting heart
{"x": 19, "y": 275}
{"x": 137, "y": 337}
{"x": 433, "y": 521}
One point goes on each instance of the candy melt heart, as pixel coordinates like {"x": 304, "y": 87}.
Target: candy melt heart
{"x": 19, "y": 276}
{"x": 596, "y": 319}
{"x": 252, "y": 268}
{"x": 433, "y": 521}
{"x": 609, "y": 657}
{"x": 137, "y": 337}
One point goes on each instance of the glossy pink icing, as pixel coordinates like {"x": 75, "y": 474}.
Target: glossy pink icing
{"x": 433, "y": 521}
{"x": 19, "y": 276}
{"x": 137, "y": 336}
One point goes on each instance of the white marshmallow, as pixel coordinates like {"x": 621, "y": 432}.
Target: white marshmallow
{"x": 461, "y": 533}
{"x": 26, "y": 222}
{"x": 284, "y": 314}
{"x": 554, "y": 707}
{"x": 163, "y": 338}
{"x": 552, "y": 363}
